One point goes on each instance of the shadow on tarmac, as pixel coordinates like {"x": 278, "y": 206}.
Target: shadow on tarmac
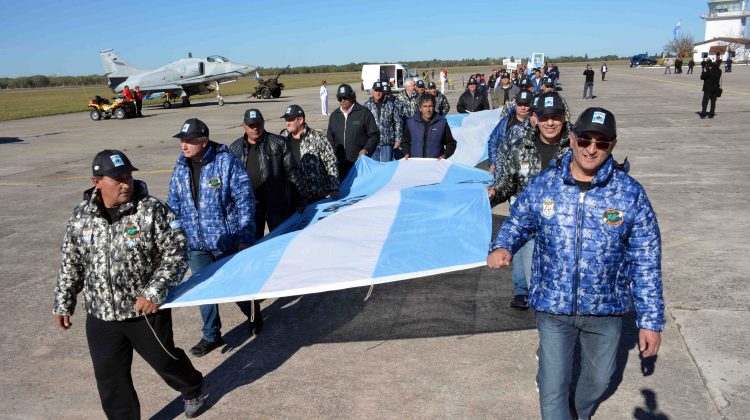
{"x": 628, "y": 341}
{"x": 5, "y": 140}
{"x": 453, "y": 304}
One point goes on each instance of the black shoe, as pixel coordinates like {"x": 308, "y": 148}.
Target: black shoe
{"x": 204, "y": 347}
{"x": 710, "y": 116}
{"x": 519, "y": 302}
{"x": 256, "y": 326}
{"x": 703, "y": 116}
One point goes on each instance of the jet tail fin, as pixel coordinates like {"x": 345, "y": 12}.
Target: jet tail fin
{"x": 115, "y": 66}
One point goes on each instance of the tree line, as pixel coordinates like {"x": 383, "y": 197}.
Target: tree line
{"x": 41, "y": 81}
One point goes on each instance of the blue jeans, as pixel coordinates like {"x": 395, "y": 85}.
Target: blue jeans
{"x": 383, "y": 153}
{"x": 588, "y": 90}
{"x": 599, "y": 337}
{"x": 210, "y": 313}
{"x": 521, "y": 268}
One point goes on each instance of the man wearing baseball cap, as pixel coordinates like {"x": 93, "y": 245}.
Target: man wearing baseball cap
{"x": 442, "y": 106}
{"x": 352, "y": 130}
{"x": 314, "y": 155}
{"x": 211, "y": 194}
{"x": 599, "y": 256}
{"x": 511, "y": 128}
{"x": 472, "y": 100}
{"x": 388, "y": 120}
{"x": 125, "y": 249}
{"x": 273, "y": 172}
{"x": 504, "y": 91}
{"x": 521, "y": 161}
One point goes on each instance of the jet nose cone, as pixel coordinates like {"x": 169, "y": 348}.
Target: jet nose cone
{"x": 243, "y": 69}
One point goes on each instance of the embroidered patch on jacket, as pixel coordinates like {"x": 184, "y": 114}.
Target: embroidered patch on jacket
{"x": 132, "y": 231}
{"x": 613, "y": 217}
{"x": 214, "y": 183}
{"x": 548, "y": 208}
{"x": 86, "y": 235}
{"x": 175, "y": 224}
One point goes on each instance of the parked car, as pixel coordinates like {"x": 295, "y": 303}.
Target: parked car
{"x": 642, "y": 60}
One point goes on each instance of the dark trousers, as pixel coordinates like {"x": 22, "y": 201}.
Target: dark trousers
{"x": 690, "y": 70}
{"x": 708, "y": 96}
{"x": 264, "y": 214}
{"x": 111, "y": 345}
{"x": 138, "y": 107}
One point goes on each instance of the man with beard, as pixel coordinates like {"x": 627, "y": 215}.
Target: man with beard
{"x": 524, "y": 160}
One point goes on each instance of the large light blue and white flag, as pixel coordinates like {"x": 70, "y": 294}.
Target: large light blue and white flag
{"x": 472, "y": 131}
{"x": 676, "y": 30}
{"x": 395, "y": 221}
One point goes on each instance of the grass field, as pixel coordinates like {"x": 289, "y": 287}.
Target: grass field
{"x": 27, "y": 103}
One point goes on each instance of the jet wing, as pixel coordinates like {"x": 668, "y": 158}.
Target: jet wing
{"x": 161, "y": 88}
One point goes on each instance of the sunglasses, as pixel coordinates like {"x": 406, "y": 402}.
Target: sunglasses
{"x": 585, "y": 142}
{"x": 344, "y": 99}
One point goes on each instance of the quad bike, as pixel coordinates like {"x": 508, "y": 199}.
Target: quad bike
{"x": 119, "y": 108}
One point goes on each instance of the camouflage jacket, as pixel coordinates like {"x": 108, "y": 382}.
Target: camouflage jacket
{"x": 442, "y": 106}
{"x": 598, "y": 252}
{"x": 409, "y": 104}
{"x": 318, "y": 165}
{"x": 142, "y": 253}
{"x": 519, "y": 161}
{"x": 388, "y": 120}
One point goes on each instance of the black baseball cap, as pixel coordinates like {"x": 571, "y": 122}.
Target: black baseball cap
{"x": 546, "y": 80}
{"x": 111, "y": 163}
{"x": 524, "y": 97}
{"x": 420, "y": 84}
{"x": 549, "y": 104}
{"x": 598, "y": 120}
{"x": 431, "y": 85}
{"x": 377, "y": 86}
{"x": 472, "y": 81}
{"x": 192, "y": 129}
{"x": 525, "y": 82}
{"x": 292, "y": 112}
{"x": 252, "y": 116}
{"x": 386, "y": 88}
{"x": 344, "y": 92}
{"x": 505, "y": 75}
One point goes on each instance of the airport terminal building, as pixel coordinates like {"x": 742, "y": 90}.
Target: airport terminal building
{"x": 726, "y": 29}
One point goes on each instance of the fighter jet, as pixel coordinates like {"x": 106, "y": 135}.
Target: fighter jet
{"x": 179, "y": 79}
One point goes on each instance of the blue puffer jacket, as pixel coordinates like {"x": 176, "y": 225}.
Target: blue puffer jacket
{"x": 596, "y": 253}
{"x": 225, "y": 199}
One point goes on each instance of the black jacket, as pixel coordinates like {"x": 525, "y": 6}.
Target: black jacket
{"x": 469, "y": 102}
{"x": 277, "y": 166}
{"x": 589, "y": 75}
{"x": 351, "y": 134}
{"x": 711, "y": 77}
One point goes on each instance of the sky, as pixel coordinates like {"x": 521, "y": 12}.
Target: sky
{"x": 64, "y": 37}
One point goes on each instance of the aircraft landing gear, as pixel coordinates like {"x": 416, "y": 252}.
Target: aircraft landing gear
{"x": 166, "y": 104}
{"x": 218, "y": 94}
{"x": 185, "y": 101}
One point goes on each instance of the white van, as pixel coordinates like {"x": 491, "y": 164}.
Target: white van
{"x": 396, "y": 74}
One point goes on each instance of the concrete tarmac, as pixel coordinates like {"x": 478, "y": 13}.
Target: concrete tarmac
{"x": 446, "y": 346}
